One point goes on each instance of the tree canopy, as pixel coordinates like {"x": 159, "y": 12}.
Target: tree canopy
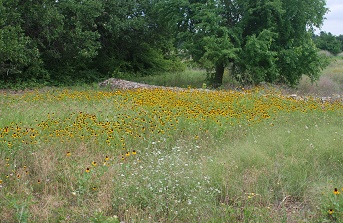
{"x": 68, "y": 40}
{"x": 65, "y": 40}
{"x": 263, "y": 40}
{"x": 329, "y": 42}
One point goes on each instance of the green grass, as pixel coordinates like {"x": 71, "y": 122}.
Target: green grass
{"x": 189, "y": 78}
{"x": 159, "y": 155}
{"x": 222, "y": 156}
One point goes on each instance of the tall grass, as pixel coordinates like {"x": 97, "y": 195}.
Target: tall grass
{"x": 189, "y": 78}
{"x": 88, "y": 155}
{"x": 329, "y": 84}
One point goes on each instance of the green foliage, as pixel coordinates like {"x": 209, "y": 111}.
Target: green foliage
{"x": 73, "y": 40}
{"x": 258, "y": 60}
{"x": 303, "y": 59}
{"x": 66, "y": 35}
{"x": 340, "y": 38}
{"x": 132, "y": 40}
{"x": 65, "y": 41}
{"x": 253, "y": 38}
{"x": 332, "y": 205}
{"x": 329, "y": 42}
{"x": 19, "y": 55}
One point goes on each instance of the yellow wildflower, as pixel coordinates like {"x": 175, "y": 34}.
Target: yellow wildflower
{"x": 335, "y": 191}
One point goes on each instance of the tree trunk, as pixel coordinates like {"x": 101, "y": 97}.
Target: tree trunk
{"x": 218, "y": 77}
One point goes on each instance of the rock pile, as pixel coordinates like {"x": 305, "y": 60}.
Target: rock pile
{"x": 120, "y": 84}
{"x": 115, "y": 83}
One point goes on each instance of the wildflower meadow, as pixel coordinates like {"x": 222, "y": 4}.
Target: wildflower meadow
{"x": 167, "y": 155}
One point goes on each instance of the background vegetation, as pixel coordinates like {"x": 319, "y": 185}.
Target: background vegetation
{"x": 76, "y": 41}
{"x": 329, "y": 84}
{"x": 329, "y": 42}
{"x": 62, "y": 42}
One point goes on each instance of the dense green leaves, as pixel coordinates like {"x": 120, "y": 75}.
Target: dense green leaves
{"x": 264, "y": 40}
{"x": 329, "y": 42}
{"x": 67, "y": 40}
{"x": 19, "y": 56}
{"x": 340, "y": 38}
{"x": 258, "y": 60}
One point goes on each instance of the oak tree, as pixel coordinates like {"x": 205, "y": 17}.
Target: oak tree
{"x": 263, "y": 40}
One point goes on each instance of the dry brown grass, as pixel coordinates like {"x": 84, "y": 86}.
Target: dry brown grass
{"x": 330, "y": 83}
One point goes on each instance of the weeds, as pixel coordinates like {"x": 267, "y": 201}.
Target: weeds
{"x": 71, "y": 155}
{"x": 332, "y": 205}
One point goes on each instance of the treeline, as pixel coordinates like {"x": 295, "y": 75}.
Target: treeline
{"x": 329, "y": 42}
{"x": 63, "y": 41}
{"x": 75, "y": 40}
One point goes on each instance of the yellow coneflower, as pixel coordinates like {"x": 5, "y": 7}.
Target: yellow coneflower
{"x": 107, "y": 158}
{"x": 94, "y": 188}
{"x": 127, "y": 153}
{"x": 134, "y": 152}
{"x": 24, "y": 167}
{"x": 18, "y": 176}
{"x": 88, "y": 170}
{"x": 0, "y": 181}
{"x": 330, "y": 211}
{"x": 38, "y": 181}
{"x": 94, "y": 163}
{"x": 122, "y": 157}
{"x": 7, "y": 159}
{"x": 335, "y": 191}
{"x": 68, "y": 153}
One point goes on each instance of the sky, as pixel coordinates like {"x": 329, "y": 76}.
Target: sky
{"x": 334, "y": 18}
